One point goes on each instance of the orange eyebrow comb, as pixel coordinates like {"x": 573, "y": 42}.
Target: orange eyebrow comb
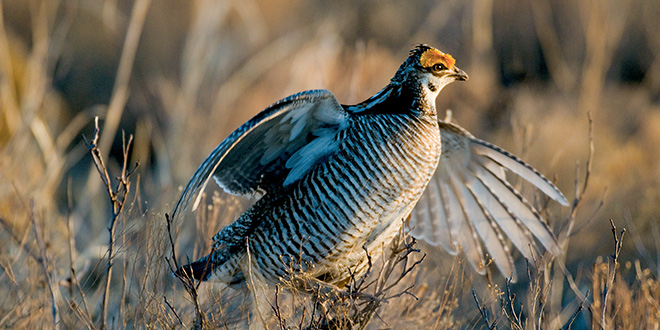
{"x": 434, "y": 56}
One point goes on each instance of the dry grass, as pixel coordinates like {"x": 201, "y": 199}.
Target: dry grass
{"x": 546, "y": 81}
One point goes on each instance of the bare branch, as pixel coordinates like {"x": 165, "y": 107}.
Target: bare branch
{"x": 184, "y": 277}
{"x": 484, "y": 313}
{"x": 173, "y": 311}
{"x": 117, "y": 198}
{"x": 44, "y": 267}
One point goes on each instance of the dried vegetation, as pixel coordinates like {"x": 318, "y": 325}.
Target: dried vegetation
{"x": 571, "y": 86}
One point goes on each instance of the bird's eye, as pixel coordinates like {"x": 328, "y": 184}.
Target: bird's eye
{"x": 439, "y": 67}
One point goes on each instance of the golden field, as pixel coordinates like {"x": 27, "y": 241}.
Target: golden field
{"x": 548, "y": 81}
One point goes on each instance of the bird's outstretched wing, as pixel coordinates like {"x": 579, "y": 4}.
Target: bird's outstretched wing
{"x": 273, "y": 149}
{"x": 469, "y": 199}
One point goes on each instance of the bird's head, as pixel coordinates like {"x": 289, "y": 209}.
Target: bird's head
{"x": 428, "y": 70}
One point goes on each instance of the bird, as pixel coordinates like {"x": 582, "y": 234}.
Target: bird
{"x": 330, "y": 181}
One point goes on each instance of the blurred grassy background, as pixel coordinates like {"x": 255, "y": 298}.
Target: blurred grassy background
{"x": 181, "y": 75}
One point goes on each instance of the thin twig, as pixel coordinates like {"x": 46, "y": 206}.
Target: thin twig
{"x": 507, "y": 299}
{"x": 577, "y": 312}
{"x": 44, "y": 267}
{"x": 73, "y": 281}
{"x": 117, "y": 198}
{"x": 173, "y": 311}
{"x": 70, "y": 237}
{"x": 277, "y": 310}
{"x": 483, "y": 312}
{"x": 612, "y": 266}
{"x": 579, "y": 193}
{"x": 185, "y": 278}
{"x": 86, "y": 316}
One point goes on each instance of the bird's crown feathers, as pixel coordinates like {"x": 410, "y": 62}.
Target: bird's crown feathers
{"x": 429, "y": 56}
{"x": 422, "y": 57}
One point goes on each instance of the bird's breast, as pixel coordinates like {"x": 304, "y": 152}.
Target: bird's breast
{"x": 356, "y": 197}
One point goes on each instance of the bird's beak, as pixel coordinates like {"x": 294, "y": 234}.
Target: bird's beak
{"x": 459, "y": 74}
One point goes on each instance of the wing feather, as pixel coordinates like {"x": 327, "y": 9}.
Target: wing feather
{"x": 477, "y": 200}
{"x": 432, "y": 222}
{"x": 454, "y": 214}
{"x": 467, "y": 237}
{"x": 467, "y": 194}
{"x": 516, "y": 165}
{"x": 256, "y": 157}
{"x": 510, "y": 224}
{"x": 526, "y": 214}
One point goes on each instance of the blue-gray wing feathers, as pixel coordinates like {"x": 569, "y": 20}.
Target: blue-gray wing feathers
{"x": 273, "y": 149}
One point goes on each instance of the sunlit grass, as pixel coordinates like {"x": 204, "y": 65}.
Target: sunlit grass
{"x": 202, "y": 68}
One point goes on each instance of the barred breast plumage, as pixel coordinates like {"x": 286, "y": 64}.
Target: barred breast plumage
{"x": 331, "y": 179}
{"x": 351, "y": 200}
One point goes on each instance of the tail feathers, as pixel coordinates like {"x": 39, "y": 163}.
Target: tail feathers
{"x": 199, "y": 270}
